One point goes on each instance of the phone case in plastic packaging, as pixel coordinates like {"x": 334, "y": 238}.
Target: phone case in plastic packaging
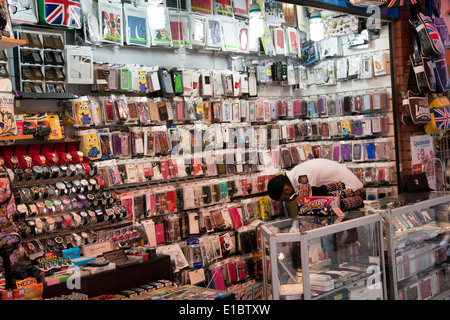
{"x": 110, "y": 22}
{"x": 136, "y": 28}
{"x": 105, "y": 141}
{"x": 161, "y": 34}
{"x": 90, "y": 145}
{"x": 82, "y": 111}
{"x": 121, "y": 107}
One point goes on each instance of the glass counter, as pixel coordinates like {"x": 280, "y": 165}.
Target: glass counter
{"x": 324, "y": 258}
{"x": 416, "y": 239}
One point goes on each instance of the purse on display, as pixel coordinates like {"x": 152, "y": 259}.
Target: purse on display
{"x": 439, "y": 22}
{"x": 431, "y": 44}
{"x": 423, "y": 68}
{"x": 415, "y": 109}
{"x": 441, "y": 74}
{"x": 439, "y": 110}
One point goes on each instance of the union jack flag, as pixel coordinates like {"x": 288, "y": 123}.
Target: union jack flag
{"x": 400, "y": 3}
{"x": 63, "y": 12}
{"x": 115, "y": 174}
{"x": 434, "y": 35}
{"x": 442, "y": 118}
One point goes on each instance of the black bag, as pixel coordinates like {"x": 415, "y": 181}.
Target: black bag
{"x": 417, "y": 183}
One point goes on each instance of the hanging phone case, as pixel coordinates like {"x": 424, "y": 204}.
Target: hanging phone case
{"x": 357, "y": 127}
{"x": 346, "y": 152}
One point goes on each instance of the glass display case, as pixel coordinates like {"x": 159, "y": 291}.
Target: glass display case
{"x": 324, "y": 258}
{"x": 417, "y": 232}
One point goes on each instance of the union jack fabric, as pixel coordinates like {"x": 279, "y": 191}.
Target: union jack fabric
{"x": 61, "y": 13}
{"x": 442, "y": 118}
{"x": 434, "y": 35}
{"x": 400, "y": 3}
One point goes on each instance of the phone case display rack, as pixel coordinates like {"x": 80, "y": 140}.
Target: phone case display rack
{"x": 324, "y": 258}
{"x": 417, "y": 245}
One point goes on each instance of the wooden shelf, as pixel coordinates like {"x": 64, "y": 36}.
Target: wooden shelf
{"x": 7, "y": 43}
{"x": 10, "y": 138}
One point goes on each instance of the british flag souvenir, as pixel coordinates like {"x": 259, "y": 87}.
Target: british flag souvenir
{"x": 63, "y": 13}
{"x": 115, "y": 174}
{"x": 442, "y": 118}
{"x": 440, "y": 115}
{"x": 390, "y": 4}
{"x": 110, "y": 22}
{"x": 430, "y": 40}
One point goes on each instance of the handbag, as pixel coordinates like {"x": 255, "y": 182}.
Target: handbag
{"x": 441, "y": 74}
{"x": 440, "y": 115}
{"x": 423, "y": 68}
{"x": 60, "y": 13}
{"x": 439, "y": 22}
{"x": 415, "y": 109}
{"x": 431, "y": 44}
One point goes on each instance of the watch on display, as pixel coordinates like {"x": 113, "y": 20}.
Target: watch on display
{"x": 92, "y": 216}
{"x": 22, "y": 209}
{"x": 58, "y": 205}
{"x": 58, "y": 223}
{"x": 76, "y": 219}
{"x": 59, "y": 242}
{"x": 14, "y": 161}
{"x": 37, "y": 172}
{"x": 30, "y": 248}
{"x": 67, "y": 220}
{"x": 81, "y": 201}
{"x": 76, "y": 186}
{"x": 46, "y": 173}
{"x": 93, "y": 169}
{"x": 33, "y": 210}
{"x": 25, "y": 195}
{"x": 50, "y": 245}
{"x": 42, "y": 209}
{"x": 32, "y": 227}
{"x": 62, "y": 170}
{"x": 49, "y": 206}
{"x": 27, "y": 174}
{"x": 69, "y": 158}
{"x": 99, "y": 215}
{"x": 71, "y": 170}
{"x": 61, "y": 189}
{"x": 42, "y": 160}
{"x": 22, "y": 226}
{"x": 80, "y": 169}
{"x": 84, "y": 218}
{"x": 66, "y": 204}
{"x": 18, "y": 174}
{"x": 39, "y": 226}
{"x": 54, "y": 172}
{"x": 36, "y": 193}
{"x": 28, "y": 161}
{"x": 69, "y": 187}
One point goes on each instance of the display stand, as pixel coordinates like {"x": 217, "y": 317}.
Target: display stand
{"x": 116, "y": 280}
{"x": 417, "y": 253}
{"x": 324, "y": 258}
